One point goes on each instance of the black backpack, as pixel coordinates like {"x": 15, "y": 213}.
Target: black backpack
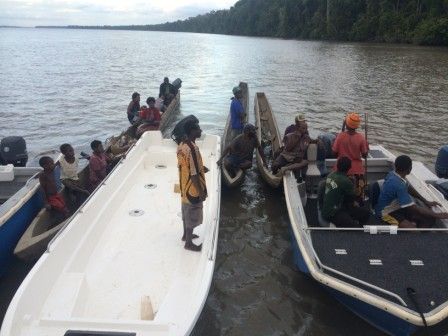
{"x": 178, "y": 133}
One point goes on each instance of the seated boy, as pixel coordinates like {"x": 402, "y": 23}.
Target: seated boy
{"x": 339, "y": 200}
{"x": 150, "y": 118}
{"x": 53, "y": 200}
{"x": 97, "y": 164}
{"x": 69, "y": 170}
{"x": 395, "y": 205}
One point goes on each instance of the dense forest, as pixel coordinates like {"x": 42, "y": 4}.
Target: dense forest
{"x": 406, "y": 21}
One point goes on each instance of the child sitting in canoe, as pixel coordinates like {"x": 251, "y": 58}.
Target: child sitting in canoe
{"x": 52, "y": 198}
{"x": 69, "y": 170}
{"x": 149, "y": 117}
{"x": 97, "y": 164}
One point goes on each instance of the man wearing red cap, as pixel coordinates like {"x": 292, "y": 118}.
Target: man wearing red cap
{"x": 353, "y": 145}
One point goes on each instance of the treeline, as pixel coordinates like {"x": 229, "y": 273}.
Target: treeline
{"x": 400, "y": 21}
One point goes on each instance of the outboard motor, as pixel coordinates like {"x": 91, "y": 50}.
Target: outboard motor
{"x": 442, "y": 162}
{"x": 177, "y": 84}
{"x": 178, "y": 133}
{"x": 13, "y": 151}
{"x": 442, "y": 186}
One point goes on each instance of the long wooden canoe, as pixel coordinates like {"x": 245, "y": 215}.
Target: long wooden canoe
{"x": 120, "y": 267}
{"x": 268, "y": 135}
{"x": 227, "y": 139}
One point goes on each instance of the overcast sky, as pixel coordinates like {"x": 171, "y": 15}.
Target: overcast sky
{"x": 31, "y": 13}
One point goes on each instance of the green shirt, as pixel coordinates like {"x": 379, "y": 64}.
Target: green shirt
{"x": 338, "y": 188}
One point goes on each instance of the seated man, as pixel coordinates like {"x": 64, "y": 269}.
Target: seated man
{"x": 292, "y": 156}
{"x": 395, "y": 205}
{"x": 239, "y": 154}
{"x": 167, "y": 90}
{"x": 133, "y": 108}
{"x": 299, "y": 120}
{"x": 339, "y": 206}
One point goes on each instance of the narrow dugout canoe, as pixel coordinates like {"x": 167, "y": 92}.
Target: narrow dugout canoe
{"x": 268, "y": 136}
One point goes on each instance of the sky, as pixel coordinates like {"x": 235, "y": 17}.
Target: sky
{"x": 30, "y": 13}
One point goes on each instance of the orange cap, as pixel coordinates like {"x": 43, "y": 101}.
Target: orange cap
{"x": 353, "y": 120}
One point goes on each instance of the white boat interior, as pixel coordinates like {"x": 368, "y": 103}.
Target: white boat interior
{"x": 402, "y": 271}
{"x": 120, "y": 264}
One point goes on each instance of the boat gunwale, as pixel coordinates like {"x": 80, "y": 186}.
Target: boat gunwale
{"x": 28, "y": 191}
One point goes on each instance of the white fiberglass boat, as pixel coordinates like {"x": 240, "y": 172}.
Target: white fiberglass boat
{"x": 120, "y": 267}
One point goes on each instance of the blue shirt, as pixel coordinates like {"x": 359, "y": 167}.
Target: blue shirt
{"x": 394, "y": 195}
{"x": 236, "y": 113}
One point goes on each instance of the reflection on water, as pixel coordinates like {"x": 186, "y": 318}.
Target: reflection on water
{"x": 74, "y": 86}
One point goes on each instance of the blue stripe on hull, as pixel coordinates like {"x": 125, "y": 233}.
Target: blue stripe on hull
{"x": 297, "y": 255}
{"x": 377, "y": 317}
{"x": 14, "y": 227}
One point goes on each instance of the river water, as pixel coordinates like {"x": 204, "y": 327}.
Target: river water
{"x": 74, "y": 86}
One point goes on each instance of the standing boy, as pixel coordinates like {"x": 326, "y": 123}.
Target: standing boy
{"x": 192, "y": 183}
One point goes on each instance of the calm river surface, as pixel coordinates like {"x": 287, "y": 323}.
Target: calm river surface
{"x": 73, "y": 86}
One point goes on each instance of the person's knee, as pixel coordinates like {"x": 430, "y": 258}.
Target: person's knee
{"x": 246, "y": 165}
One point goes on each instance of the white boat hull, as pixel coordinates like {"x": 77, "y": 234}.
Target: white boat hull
{"x": 121, "y": 256}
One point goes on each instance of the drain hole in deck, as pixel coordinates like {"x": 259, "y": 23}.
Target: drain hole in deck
{"x": 150, "y": 186}
{"x": 160, "y": 166}
{"x": 136, "y": 213}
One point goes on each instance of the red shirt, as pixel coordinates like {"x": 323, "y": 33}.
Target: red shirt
{"x": 97, "y": 169}
{"x": 351, "y": 145}
{"x": 150, "y": 114}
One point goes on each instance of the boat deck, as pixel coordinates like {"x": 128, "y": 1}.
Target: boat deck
{"x": 395, "y": 273}
{"x": 129, "y": 263}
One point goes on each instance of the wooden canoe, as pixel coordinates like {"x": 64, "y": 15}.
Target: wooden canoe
{"x": 46, "y": 225}
{"x": 269, "y": 137}
{"x": 227, "y": 139}
{"x": 120, "y": 267}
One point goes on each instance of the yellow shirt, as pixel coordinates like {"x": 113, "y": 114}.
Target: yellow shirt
{"x": 189, "y": 161}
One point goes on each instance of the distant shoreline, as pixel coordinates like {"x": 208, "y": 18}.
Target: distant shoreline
{"x": 15, "y": 27}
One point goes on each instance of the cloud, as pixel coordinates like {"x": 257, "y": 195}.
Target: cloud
{"x": 102, "y": 12}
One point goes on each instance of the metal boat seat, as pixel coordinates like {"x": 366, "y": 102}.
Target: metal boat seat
{"x": 313, "y": 174}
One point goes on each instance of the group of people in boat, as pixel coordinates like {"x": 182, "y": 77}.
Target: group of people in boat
{"x": 345, "y": 189}
{"x": 100, "y": 163}
{"x": 147, "y": 117}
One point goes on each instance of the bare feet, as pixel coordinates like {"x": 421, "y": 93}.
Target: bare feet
{"x": 194, "y": 237}
{"x": 192, "y": 247}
